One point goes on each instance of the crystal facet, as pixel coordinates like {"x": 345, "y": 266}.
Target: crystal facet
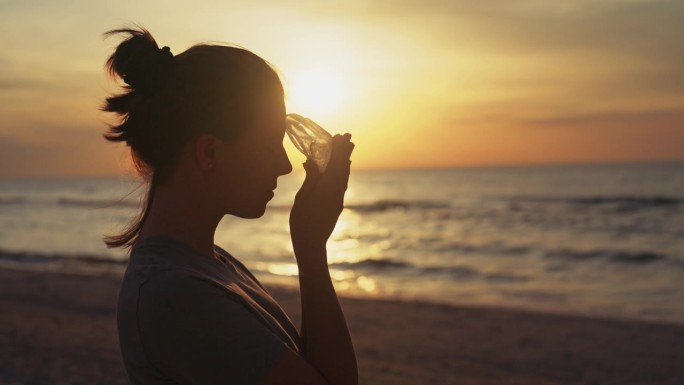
{"x": 310, "y": 139}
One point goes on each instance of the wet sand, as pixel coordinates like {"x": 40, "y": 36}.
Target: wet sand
{"x": 58, "y": 328}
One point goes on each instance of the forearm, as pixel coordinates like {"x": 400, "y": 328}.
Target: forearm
{"x": 327, "y": 343}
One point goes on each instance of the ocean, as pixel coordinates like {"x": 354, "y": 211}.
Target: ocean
{"x": 602, "y": 240}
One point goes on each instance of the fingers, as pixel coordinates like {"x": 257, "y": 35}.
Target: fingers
{"x": 310, "y": 180}
{"x": 342, "y": 148}
{"x": 312, "y": 176}
{"x": 336, "y": 176}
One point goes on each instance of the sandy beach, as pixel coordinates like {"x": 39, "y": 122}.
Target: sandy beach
{"x": 58, "y": 328}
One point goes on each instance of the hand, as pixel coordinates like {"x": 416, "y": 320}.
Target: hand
{"x": 320, "y": 200}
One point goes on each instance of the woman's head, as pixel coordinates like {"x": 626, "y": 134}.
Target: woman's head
{"x": 220, "y": 108}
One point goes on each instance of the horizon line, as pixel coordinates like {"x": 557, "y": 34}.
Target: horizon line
{"x": 392, "y": 169}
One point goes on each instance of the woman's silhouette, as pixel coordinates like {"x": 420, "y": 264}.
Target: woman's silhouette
{"x": 206, "y": 129}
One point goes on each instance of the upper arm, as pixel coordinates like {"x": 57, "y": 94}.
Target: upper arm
{"x": 199, "y": 334}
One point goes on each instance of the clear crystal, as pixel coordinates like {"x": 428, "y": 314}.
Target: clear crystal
{"x": 310, "y": 139}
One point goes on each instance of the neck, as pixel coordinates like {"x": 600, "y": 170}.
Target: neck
{"x": 178, "y": 212}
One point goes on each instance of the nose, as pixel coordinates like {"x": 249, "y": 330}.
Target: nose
{"x": 285, "y": 167}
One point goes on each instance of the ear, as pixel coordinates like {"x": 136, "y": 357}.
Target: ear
{"x": 205, "y": 151}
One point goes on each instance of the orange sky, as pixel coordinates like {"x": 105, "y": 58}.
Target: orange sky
{"x": 418, "y": 83}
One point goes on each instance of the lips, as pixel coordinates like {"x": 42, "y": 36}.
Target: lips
{"x": 271, "y": 192}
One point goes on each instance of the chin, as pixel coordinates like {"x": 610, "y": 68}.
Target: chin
{"x": 250, "y": 212}
{"x": 252, "y": 215}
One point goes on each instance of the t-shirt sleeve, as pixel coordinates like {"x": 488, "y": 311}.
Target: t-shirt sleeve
{"x": 201, "y": 335}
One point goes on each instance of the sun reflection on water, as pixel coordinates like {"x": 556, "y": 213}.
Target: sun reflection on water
{"x": 346, "y": 248}
{"x": 344, "y": 244}
{"x": 341, "y": 275}
{"x": 366, "y": 284}
{"x": 291, "y": 269}
{"x": 347, "y": 225}
{"x": 286, "y": 269}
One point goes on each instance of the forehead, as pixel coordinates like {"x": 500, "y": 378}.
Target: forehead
{"x": 269, "y": 120}
{"x": 272, "y": 111}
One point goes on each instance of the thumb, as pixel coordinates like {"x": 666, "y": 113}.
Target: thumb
{"x": 312, "y": 176}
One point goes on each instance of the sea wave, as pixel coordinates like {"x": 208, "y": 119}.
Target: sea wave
{"x": 457, "y": 272}
{"x": 97, "y": 203}
{"x": 38, "y": 258}
{"x": 620, "y": 256}
{"x": 624, "y": 202}
{"x": 69, "y": 201}
{"x": 383, "y": 206}
{"x": 372, "y": 263}
{"x": 636, "y": 200}
{"x": 386, "y": 205}
{"x": 12, "y": 200}
{"x": 486, "y": 248}
{"x": 522, "y": 250}
{"x": 388, "y": 265}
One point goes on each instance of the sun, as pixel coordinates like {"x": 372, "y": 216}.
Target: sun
{"x": 316, "y": 92}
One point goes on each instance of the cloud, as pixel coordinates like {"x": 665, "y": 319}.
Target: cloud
{"x": 58, "y": 152}
{"x": 582, "y": 55}
{"x": 611, "y": 136}
{"x": 584, "y": 36}
{"x": 20, "y": 84}
{"x": 20, "y": 158}
{"x": 576, "y": 66}
{"x": 672, "y": 118}
{"x": 516, "y": 116}
{"x": 630, "y": 26}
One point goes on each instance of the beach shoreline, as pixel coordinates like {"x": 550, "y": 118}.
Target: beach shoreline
{"x": 60, "y": 328}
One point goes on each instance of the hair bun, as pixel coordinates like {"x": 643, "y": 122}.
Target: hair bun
{"x": 139, "y": 61}
{"x": 147, "y": 72}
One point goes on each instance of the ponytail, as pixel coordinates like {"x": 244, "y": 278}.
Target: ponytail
{"x": 143, "y": 66}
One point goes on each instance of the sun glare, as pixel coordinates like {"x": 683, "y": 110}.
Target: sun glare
{"x": 315, "y": 92}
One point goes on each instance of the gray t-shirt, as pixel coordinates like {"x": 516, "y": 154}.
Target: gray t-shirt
{"x": 187, "y": 318}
